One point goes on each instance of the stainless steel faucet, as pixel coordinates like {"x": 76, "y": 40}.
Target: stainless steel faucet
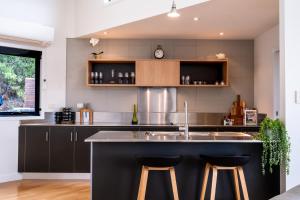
{"x": 185, "y": 128}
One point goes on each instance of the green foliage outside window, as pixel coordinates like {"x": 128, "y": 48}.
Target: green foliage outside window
{"x": 13, "y": 71}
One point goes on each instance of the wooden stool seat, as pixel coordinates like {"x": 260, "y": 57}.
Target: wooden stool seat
{"x": 157, "y": 163}
{"x": 233, "y": 163}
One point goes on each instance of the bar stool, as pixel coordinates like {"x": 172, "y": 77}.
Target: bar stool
{"x": 233, "y": 163}
{"x": 157, "y": 163}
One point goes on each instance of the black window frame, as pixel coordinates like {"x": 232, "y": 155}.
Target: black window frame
{"x": 37, "y": 55}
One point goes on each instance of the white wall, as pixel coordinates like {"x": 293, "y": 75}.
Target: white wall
{"x": 265, "y": 46}
{"x": 93, "y": 16}
{"x": 9, "y": 151}
{"x": 289, "y": 56}
{"x": 55, "y": 13}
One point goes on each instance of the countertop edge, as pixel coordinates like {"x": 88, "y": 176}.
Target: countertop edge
{"x": 139, "y": 125}
{"x": 171, "y": 141}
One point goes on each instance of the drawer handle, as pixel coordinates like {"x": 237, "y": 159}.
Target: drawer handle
{"x": 47, "y": 136}
{"x": 76, "y": 136}
{"x": 71, "y": 136}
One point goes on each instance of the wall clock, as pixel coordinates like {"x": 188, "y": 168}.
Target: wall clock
{"x": 159, "y": 52}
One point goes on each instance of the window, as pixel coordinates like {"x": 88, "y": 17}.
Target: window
{"x": 19, "y": 82}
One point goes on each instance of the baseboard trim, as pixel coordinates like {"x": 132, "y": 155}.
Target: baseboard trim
{"x": 58, "y": 176}
{"x": 10, "y": 177}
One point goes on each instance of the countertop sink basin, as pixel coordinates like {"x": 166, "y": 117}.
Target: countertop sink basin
{"x": 163, "y": 135}
{"x": 198, "y": 136}
{"x": 220, "y": 135}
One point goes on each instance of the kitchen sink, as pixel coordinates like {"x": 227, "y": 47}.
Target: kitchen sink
{"x": 220, "y": 136}
{"x": 164, "y": 135}
{"x": 198, "y": 136}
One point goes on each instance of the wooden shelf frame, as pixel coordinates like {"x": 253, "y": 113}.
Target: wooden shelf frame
{"x": 108, "y": 61}
{"x": 193, "y": 65}
{"x": 175, "y": 72}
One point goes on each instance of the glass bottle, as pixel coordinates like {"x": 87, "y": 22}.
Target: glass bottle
{"x": 120, "y": 78}
{"x": 134, "y": 116}
{"x": 132, "y": 76}
{"x": 112, "y": 79}
{"x": 92, "y": 80}
{"x": 96, "y": 77}
{"x": 126, "y": 78}
{"x": 100, "y": 78}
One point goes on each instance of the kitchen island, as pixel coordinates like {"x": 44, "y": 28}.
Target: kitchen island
{"x": 68, "y": 151}
{"x": 116, "y": 174}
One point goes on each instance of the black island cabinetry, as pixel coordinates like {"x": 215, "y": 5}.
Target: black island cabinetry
{"x": 116, "y": 172}
{"x": 61, "y": 148}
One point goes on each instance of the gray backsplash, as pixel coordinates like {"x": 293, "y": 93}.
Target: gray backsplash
{"x": 124, "y": 118}
{"x": 202, "y": 100}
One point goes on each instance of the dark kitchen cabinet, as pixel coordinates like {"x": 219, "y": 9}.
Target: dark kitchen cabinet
{"x": 54, "y": 149}
{"x": 82, "y": 149}
{"x": 21, "y": 152}
{"x": 36, "y": 151}
{"x": 62, "y": 149}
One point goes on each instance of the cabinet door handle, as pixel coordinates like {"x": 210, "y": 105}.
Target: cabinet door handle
{"x": 47, "y": 136}
{"x": 76, "y": 136}
{"x": 71, "y": 136}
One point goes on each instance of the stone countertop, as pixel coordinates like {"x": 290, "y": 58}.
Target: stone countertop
{"x": 195, "y": 137}
{"x": 130, "y": 125}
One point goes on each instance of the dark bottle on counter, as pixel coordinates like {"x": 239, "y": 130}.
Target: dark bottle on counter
{"x": 134, "y": 116}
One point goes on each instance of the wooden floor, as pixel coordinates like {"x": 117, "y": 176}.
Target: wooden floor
{"x": 45, "y": 190}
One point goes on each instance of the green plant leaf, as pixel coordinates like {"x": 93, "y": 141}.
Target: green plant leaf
{"x": 276, "y": 144}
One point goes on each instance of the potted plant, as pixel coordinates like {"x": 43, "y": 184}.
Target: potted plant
{"x": 276, "y": 144}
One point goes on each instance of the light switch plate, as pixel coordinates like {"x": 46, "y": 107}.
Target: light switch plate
{"x": 297, "y": 96}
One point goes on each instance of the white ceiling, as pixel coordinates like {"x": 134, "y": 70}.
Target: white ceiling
{"x": 238, "y": 19}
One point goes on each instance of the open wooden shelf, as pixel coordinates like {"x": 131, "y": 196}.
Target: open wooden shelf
{"x": 209, "y": 71}
{"x": 162, "y": 73}
{"x": 105, "y": 67}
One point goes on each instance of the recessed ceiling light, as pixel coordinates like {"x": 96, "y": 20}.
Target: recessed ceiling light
{"x": 104, "y": 33}
{"x": 196, "y": 18}
{"x": 108, "y": 2}
{"x": 221, "y": 34}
